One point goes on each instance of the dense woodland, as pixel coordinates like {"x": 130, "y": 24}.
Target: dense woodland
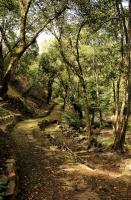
{"x": 65, "y": 84}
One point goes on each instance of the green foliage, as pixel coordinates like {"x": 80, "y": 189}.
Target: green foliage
{"x": 1, "y": 190}
{"x": 72, "y": 119}
{"x": 99, "y": 48}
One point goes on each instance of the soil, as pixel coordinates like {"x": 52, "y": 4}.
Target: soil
{"x": 54, "y": 166}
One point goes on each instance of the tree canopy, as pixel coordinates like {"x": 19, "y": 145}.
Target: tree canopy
{"x": 87, "y": 63}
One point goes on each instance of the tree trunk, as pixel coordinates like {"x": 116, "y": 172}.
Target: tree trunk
{"x": 122, "y": 118}
{"x": 3, "y": 80}
{"x": 93, "y": 116}
{"x": 64, "y": 103}
{"x": 50, "y": 83}
{"x": 1, "y": 66}
{"x": 101, "y": 118}
{"x": 9, "y": 64}
{"x": 4, "y": 85}
{"x": 116, "y": 89}
{"x": 65, "y": 99}
{"x": 91, "y": 140}
{"x": 77, "y": 69}
{"x": 119, "y": 141}
{"x": 121, "y": 126}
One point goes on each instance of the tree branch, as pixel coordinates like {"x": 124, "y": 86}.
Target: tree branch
{"x": 104, "y": 22}
{"x": 24, "y": 8}
{"x": 122, "y": 17}
{"x": 45, "y": 25}
{"x": 77, "y": 46}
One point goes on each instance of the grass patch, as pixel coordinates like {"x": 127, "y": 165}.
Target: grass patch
{"x": 129, "y": 146}
{"x": 108, "y": 142}
{"x": 129, "y": 128}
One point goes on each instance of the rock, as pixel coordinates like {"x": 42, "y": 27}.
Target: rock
{"x": 10, "y": 161}
{"x": 9, "y": 179}
{"x": 9, "y": 168}
{"x": 12, "y": 175}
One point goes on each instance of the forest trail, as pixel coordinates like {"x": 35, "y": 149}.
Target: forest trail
{"x": 75, "y": 53}
{"x": 50, "y": 173}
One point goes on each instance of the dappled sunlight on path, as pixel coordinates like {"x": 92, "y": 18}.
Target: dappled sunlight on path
{"x": 85, "y": 170}
{"x": 51, "y": 173}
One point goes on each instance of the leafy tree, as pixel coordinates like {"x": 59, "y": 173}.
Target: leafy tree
{"x": 29, "y": 19}
{"x": 49, "y": 72}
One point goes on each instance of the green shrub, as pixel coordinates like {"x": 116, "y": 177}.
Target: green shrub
{"x": 72, "y": 119}
{"x": 107, "y": 124}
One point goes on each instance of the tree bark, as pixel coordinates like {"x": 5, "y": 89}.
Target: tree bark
{"x": 50, "y": 83}
{"x": 116, "y": 89}
{"x": 3, "y": 79}
{"x": 121, "y": 126}
{"x": 87, "y": 115}
{"x": 121, "y": 121}
{"x": 98, "y": 96}
{"x": 1, "y": 67}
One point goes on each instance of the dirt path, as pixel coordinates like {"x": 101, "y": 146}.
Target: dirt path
{"x": 36, "y": 169}
{"x": 36, "y": 163}
{"x": 50, "y": 173}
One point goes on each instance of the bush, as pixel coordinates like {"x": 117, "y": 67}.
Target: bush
{"x": 108, "y": 124}
{"x": 72, "y": 119}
